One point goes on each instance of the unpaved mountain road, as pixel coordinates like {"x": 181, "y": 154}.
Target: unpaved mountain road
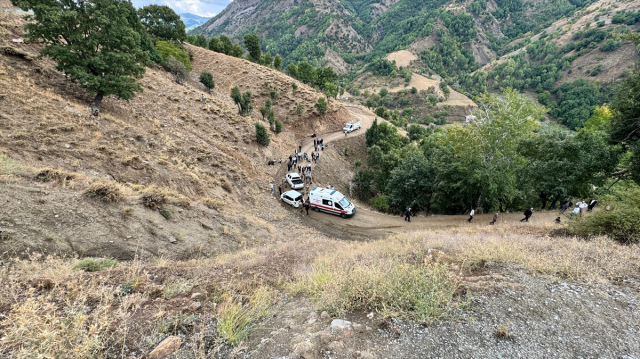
{"x": 368, "y": 224}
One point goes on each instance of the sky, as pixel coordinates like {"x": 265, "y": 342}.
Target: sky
{"x": 206, "y": 8}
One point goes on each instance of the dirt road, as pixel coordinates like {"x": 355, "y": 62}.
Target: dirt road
{"x": 367, "y": 224}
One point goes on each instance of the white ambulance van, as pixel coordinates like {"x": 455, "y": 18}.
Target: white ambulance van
{"x": 331, "y": 201}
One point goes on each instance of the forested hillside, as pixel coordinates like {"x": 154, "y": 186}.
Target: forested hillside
{"x": 556, "y": 50}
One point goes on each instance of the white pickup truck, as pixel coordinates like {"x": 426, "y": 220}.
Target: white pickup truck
{"x": 350, "y": 127}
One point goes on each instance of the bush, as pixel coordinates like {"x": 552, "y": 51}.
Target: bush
{"x": 379, "y": 202}
{"x": 50, "y": 175}
{"x": 621, "y": 223}
{"x": 206, "y": 78}
{"x": 166, "y": 211}
{"x": 610, "y": 45}
{"x": 154, "y": 198}
{"x": 278, "y": 126}
{"x": 177, "y": 68}
{"x": 394, "y": 288}
{"x": 95, "y": 265}
{"x": 105, "y": 191}
{"x": 262, "y": 136}
{"x": 167, "y": 49}
{"x": 321, "y": 106}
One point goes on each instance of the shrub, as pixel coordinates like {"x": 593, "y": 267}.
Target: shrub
{"x": 621, "y": 223}
{"x": 278, "y": 126}
{"x": 392, "y": 287}
{"x": 213, "y": 203}
{"x": 206, "y": 78}
{"x": 321, "y": 106}
{"x": 105, "y": 191}
{"x": 610, "y": 45}
{"x": 234, "y": 319}
{"x": 414, "y": 90}
{"x": 50, "y": 175}
{"x": 8, "y": 166}
{"x": 166, "y": 211}
{"x": 154, "y": 197}
{"x": 177, "y": 68}
{"x": 262, "y": 136}
{"x": 379, "y": 202}
{"x": 167, "y": 49}
{"x": 95, "y": 265}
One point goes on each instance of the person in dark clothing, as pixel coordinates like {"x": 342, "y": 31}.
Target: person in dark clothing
{"x": 527, "y": 215}
{"x": 407, "y": 215}
{"x": 495, "y": 218}
{"x": 592, "y": 204}
{"x": 299, "y": 149}
{"x": 564, "y": 207}
{"x": 280, "y": 189}
{"x": 306, "y": 205}
{"x": 558, "y": 220}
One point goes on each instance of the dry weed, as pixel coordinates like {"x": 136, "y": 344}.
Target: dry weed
{"x": 105, "y": 191}
{"x": 155, "y": 197}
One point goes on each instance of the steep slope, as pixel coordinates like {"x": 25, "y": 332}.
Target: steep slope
{"x": 186, "y": 176}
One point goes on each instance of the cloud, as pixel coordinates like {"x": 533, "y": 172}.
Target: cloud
{"x": 207, "y": 8}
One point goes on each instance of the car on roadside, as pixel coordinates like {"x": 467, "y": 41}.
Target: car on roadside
{"x": 350, "y": 127}
{"x": 293, "y": 198}
{"x": 294, "y": 180}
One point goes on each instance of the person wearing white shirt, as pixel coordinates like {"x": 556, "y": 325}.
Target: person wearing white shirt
{"x": 471, "y": 214}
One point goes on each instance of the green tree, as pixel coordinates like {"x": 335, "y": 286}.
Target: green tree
{"x": 411, "y": 183}
{"x": 201, "y": 41}
{"x": 92, "y": 42}
{"x": 321, "y": 106}
{"x": 306, "y": 73}
{"x": 293, "y": 71}
{"x": 252, "y": 43}
{"x": 384, "y": 92}
{"x": 478, "y": 164}
{"x": 166, "y": 49}
{"x": 214, "y": 44}
{"x": 278, "y": 126}
{"x": 162, "y": 23}
{"x": 262, "y": 136}
{"x": 625, "y": 124}
{"x": 206, "y": 78}
{"x": 277, "y": 62}
{"x": 226, "y": 46}
{"x": 331, "y": 90}
{"x": 371, "y": 134}
{"x": 242, "y": 100}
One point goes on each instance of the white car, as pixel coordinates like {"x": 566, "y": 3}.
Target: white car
{"x": 294, "y": 180}
{"x": 350, "y": 127}
{"x": 292, "y": 197}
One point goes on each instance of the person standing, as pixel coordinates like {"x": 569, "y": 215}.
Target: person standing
{"x": 527, "y": 215}
{"x": 495, "y": 218}
{"x": 592, "y": 204}
{"x": 271, "y": 185}
{"x": 306, "y": 205}
{"x": 583, "y": 205}
{"x": 280, "y": 189}
{"x": 471, "y": 214}
{"x": 299, "y": 148}
{"x": 407, "y": 215}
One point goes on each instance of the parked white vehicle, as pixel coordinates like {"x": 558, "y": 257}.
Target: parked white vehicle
{"x": 331, "y": 201}
{"x": 294, "y": 180}
{"x": 293, "y": 198}
{"x": 350, "y": 127}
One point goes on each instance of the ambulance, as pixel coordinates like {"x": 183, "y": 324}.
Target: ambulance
{"x": 331, "y": 201}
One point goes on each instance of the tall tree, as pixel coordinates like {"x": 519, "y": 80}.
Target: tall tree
{"x": 162, "y": 23}
{"x": 321, "y": 106}
{"x": 226, "y": 46}
{"x": 277, "y": 62}
{"x": 92, "y": 41}
{"x": 252, "y": 43}
{"x": 206, "y": 78}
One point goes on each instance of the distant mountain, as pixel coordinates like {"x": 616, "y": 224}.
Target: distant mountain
{"x": 192, "y": 21}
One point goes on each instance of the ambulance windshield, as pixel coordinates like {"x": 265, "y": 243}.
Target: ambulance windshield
{"x": 344, "y": 203}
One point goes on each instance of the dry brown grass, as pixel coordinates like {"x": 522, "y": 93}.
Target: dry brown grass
{"x": 216, "y": 204}
{"x": 155, "y": 197}
{"x": 105, "y": 191}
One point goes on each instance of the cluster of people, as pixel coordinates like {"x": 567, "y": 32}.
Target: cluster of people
{"x": 318, "y": 144}
{"x": 579, "y": 208}
{"x": 273, "y": 162}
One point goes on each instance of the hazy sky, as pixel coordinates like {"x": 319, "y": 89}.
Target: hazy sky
{"x": 207, "y": 8}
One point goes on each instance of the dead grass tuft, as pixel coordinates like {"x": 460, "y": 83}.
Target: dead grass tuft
{"x": 105, "y": 191}
{"x": 51, "y": 175}
{"x": 216, "y": 204}
{"x": 502, "y": 332}
{"x": 155, "y": 197}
